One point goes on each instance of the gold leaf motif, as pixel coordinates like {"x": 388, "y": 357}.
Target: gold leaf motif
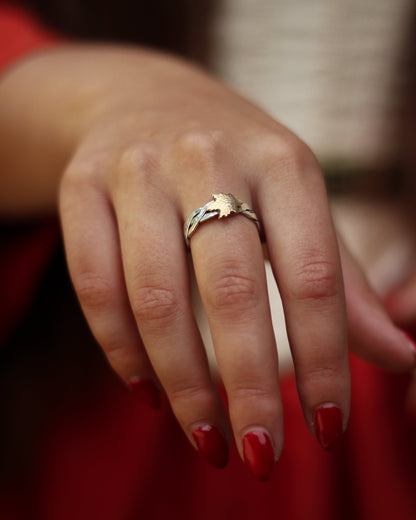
{"x": 225, "y": 203}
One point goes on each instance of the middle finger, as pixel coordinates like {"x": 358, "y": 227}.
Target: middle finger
{"x": 229, "y": 268}
{"x": 155, "y": 268}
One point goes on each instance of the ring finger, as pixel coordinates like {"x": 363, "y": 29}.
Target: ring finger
{"x": 229, "y": 269}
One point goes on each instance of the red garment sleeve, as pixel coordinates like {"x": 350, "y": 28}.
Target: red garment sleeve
{"x": 24, "y": 250}
{"x": 21, "y": 33}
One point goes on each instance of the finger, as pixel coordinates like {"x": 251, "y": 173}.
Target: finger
{"x": 229, "y": 268}
{"x": 155, "y": 266}
{"x": 305, "y": 261}
{"x": 371, "y": 332}
{"x": 401, "y": 304}
{"x": 93, "y": 255}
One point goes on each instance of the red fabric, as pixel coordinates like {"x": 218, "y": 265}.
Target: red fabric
{"x": 111, "y": 458}
{"x": 23, "y": 255}
{"x": 21, "y": 33}
{"x": 116, "y": 459}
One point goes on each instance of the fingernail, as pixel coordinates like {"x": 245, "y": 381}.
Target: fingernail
{"x": 328, "y": 424}
{"x": 258, "y": 454}
{"x": 146, "y": 391}
{"x": 211, "y": 445}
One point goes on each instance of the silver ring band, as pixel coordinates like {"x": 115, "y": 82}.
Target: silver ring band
{"x": 222, "y": 205}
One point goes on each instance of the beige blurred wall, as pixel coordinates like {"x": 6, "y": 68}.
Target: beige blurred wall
{"x": 328, "y": 69}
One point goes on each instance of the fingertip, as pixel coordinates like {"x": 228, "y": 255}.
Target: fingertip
{"x": 211, "y": 445}
{"x": 328, "y": 423}
{"x": 258, "y": 453}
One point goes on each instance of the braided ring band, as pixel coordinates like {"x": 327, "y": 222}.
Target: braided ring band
{"x": 222, "y": 205}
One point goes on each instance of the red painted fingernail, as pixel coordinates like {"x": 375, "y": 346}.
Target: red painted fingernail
{"x": 211, "y": 445}
{"x": 258, "y": 454}
{"x": 146, "y": 391}
{"x": 328, "y": 424}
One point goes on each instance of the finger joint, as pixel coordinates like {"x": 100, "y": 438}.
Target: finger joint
{"x": 94, "y": 291}
{"x": 232, "y": 292}
{"x": 316, "y": 280}
{"x": 155, "y": 305}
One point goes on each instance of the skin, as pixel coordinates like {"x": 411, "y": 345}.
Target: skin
{"x": 126, "y": 143}
{"x": 400, "y": 303}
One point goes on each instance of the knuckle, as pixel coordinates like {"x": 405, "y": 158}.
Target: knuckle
{"x": 232, "y": 291}
{"x": 316, "y": 279}
{"x": 138, "y": 162}
{"x": 286, "y": 156}
{"x": 185, "y": 391}
{"x": 77, "y": 176}
{"x": 253, "y": 395}
{"x": 70, "y": 179}
{"x": 252, "y": 391}
{"x": 201, "y": 144}
{"x": 140, "y": 156}
{"x": 155, "y": 304}
{"x": 94, "y": 291}
{"x": 318, "y": 375}
{"x": 83, "y": 177}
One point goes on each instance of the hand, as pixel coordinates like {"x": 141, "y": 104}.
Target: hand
{"x": 150, "y": 140}
{"x": 136, "y": 176}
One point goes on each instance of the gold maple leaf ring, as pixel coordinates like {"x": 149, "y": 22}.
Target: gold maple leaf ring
{"x": 222, "y": 205}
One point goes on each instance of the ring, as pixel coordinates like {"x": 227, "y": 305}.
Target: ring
{"x": 221, "y": 205}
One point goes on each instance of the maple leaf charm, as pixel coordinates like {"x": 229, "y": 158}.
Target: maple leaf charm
{"x": 225, "y": 203}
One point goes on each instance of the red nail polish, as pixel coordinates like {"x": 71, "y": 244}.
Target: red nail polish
{"x": 328, "y": 424}
{"x": 211, "y": 445}
{"x": 258, "y": 454}
{"x": 146, "y": 391}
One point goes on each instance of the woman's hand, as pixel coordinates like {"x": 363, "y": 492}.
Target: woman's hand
{"x": 137, "y": 175}
{"x": 143, "y": 140}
